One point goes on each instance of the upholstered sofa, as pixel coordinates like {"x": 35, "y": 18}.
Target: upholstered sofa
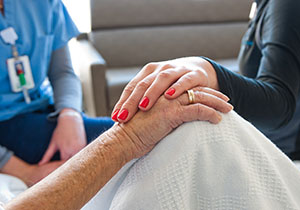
{"x": 128, "y": 34}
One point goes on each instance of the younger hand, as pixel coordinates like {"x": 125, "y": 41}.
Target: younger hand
{"x": 171, "y": 78}
{"x": 147, "y": 128}
{"x": 68, "y": 137}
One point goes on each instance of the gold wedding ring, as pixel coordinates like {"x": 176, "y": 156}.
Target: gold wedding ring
{"x": 191, "y": 96}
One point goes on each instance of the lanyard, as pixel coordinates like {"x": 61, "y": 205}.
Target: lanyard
{"x": 10, "y": 37}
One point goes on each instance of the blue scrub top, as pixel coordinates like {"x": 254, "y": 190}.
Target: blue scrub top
{"x": 42, "y": 27}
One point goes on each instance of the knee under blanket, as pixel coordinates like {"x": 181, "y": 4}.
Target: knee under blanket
{"x": 203, "y": 166}
{"x": 199, "y": 166}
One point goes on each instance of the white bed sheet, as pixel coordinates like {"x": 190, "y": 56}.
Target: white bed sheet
{"x": 202, "y": 166}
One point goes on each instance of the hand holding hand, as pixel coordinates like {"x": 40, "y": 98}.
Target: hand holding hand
{"x": 68, "y": 137}
{"x": 147, "y": 128}
{"x": 171, "y": 78}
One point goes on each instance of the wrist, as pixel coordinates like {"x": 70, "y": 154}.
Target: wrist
{"x": 211, "y": 73}
{"x": 121, "y": 142}
{"x": 68, "y": 113}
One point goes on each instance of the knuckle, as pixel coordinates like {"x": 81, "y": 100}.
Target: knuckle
{"x": 198, "y": 71}
{"x": 179, "y": 86}
{"x": 189, "y": 79}
{"x": 200, "y": 111}
{"x": 198, "y": 89}
{"x": 200, "y": 96}
{"x": 128, "y": 89}
{"x": 167, "y": 66}
{"x": 132, "y": 102}
{"x": 164, "y": 75}
{"x": 150, "y": 67}
{"x": 144, "y": 84}
{"x": 205, "y": 113}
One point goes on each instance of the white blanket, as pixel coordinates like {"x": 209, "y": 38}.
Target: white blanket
{"x": 203, "y": 166}
{"x": 10, "y": 187}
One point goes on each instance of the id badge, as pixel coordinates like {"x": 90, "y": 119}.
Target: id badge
{"x": 25, "y": 80}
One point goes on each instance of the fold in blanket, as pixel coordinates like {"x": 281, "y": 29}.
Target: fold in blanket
{"x": 203, "y": 166}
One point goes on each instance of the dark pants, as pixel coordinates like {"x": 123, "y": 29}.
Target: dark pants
{"x": 28, "y": 135}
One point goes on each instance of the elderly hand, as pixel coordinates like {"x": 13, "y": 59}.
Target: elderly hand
{"x": 68, "y": 137}
{"x": 169, "y": 77}
{"x": 147, "y": 128}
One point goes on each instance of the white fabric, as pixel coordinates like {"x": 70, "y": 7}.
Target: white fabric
{"x": 10, "y": 187}
{"x": 297, "y": 163}
{"x": 203, "y": 166}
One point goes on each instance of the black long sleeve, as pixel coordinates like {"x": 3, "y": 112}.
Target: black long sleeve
{"x": 268, "y": 99}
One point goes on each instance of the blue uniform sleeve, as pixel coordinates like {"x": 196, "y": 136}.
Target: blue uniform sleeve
{"x": 63, "y": 28}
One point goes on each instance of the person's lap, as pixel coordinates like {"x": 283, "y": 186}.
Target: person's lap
{"x": 28, "y": 135}
{"x": 203, "y": 166}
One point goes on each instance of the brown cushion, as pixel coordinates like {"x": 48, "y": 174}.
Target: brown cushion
{"x": 138, "y": 46}
{"x": 125, "y": 13}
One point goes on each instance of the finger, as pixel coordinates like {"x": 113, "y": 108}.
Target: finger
{"x": 48, "y": 154}
{"x": 201, "y": 112}
{"x": 130, "y": 87}
{"x": 208, "y": 99}
{"x": 212, "y": 92}
{"x": 64, "y": 155}
{"x": 213, "y": 102}
{"x": 186, "y": 82}
{"x": 124, "y": 96}
{"x": 162, "y": 81}
{"x": 124, "y": 113}
{"x": 130, "y": 106}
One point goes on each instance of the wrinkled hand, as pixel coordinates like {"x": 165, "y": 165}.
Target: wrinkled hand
{"x": 171, "y": 78}
{"x": 147, "y": 128}
{"x": 68, "y": 137}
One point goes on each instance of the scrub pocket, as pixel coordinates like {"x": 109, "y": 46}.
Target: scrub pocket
{"x": 40, "y": 57}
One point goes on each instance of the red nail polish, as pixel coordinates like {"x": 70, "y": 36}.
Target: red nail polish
{"x": 123, "y": 115}
{"x": 144, "y": 102}
{"x": 171, "y": 91}
{"x": 115, "y": 115}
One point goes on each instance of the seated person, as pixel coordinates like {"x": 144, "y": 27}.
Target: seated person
{"x": 267, "y": 92}
{"x": 265, "y": 178}
{"x": 34, "y": 123}
{"x": 199, "y": 165}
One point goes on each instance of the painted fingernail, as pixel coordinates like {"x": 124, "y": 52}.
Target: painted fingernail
{"x": 123, "y": 115}
{"x": 171, "y": 91}
{"x": 144, "y": 103}
{"x": 115, "y": 115}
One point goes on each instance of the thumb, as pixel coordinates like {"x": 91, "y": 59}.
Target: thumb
{"x": 49, "y": 153}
